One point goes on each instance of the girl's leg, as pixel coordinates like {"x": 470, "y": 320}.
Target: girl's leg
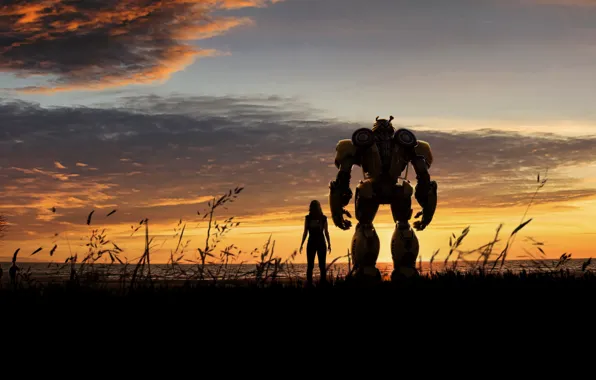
{"x": 322, "y": 256}
{"x": 311, "y": 251}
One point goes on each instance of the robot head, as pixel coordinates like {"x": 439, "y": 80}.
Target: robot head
{"x": 383, "y": 125}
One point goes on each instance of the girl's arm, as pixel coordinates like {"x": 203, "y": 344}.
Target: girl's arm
{"x": 304, "y": 235}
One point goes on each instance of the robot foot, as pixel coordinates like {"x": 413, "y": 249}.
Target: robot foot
{"x": 364, "y": 277}
{"x": 404, "y": 273}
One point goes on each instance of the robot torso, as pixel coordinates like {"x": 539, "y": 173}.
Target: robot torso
{"x": 382, "y": 152}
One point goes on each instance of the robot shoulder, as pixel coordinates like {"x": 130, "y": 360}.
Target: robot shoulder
{"x": 423, "y": 149}
{"x": 345, "y": 149}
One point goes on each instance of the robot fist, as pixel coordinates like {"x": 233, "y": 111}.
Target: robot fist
{"x": 428, "y": 201}
{"x": 421, "y": 224}
{"x": 339, "y": 197}
{"x": 340, "y": 221}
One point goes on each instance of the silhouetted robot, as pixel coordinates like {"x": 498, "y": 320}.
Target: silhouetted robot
{"x": 383, "y": 153}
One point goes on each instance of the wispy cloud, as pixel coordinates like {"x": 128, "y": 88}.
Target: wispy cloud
{"x": 176, "y": 201}
{"x": 60, "y": 176}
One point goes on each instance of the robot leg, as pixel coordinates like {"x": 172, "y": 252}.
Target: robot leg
{"x": 365, "y": 242}
{"x": 404, "y": 243}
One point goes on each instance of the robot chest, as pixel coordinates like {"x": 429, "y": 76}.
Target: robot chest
{"x": 383, "y": 158}
{"x": 386, "y": 152}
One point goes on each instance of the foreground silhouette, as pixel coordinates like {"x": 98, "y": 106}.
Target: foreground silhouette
{"x": 316, "y": 228}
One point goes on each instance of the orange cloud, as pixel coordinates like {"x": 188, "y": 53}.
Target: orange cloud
{"x": 99, "y": 44}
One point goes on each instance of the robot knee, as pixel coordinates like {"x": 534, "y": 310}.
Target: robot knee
{"x": 408, "y": 190}
{"x": 365, "y": 231}
{"x": 404, "y": 246}
{"x": 365, "y": 245}
{"x": 404, "y": 225}
{"x": 365, "y": 189}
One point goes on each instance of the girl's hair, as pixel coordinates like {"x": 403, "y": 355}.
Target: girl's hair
{"x": 315, "y": 209}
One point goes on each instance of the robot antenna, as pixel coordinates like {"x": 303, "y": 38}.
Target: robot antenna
{"x": 391, "y": 118}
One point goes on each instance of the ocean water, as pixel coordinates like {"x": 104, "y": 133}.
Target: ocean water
{"x": 162, "y": 271}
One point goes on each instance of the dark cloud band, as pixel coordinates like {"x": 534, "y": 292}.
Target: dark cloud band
{"x": 167, "y": 154}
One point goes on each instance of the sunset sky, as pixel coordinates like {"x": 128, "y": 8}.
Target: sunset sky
{"x": 153, "y": 107}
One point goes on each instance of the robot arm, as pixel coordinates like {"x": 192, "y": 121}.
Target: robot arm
{"x": 339, "y": 197}
{"x": 426, "y": 189}
{"x": 339, "y": 190}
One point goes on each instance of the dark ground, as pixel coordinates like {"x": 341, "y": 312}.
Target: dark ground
{"x": 453, "y": 290}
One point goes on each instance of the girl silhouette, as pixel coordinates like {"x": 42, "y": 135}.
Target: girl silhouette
{"x": 315, "y": 225}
